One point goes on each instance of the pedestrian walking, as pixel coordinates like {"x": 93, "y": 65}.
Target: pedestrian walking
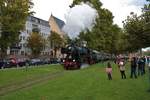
{"x": 109, "y": 71}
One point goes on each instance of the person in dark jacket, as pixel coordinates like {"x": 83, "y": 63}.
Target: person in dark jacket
{"x": 140, "y": 66}
{"x": 133, "y": 67}
{"x": 143, "y": 64}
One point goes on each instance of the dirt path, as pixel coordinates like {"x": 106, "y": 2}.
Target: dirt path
{"x": 4, "y": 90}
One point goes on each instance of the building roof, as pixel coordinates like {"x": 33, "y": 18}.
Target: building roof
{"x": 59, "y": 22}
{"x": 38, "y": 21}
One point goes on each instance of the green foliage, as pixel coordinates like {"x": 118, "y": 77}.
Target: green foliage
{"x": 137, "y": 29}
{"x": 67, "y": 39}
{"x": 96, "y": 3}
{"x": 13, "y": 14}
{"x": 134, "y": 28}
{"x": 146, "y": 53}
{"x": 20, "y": 76}
{"x": 56, "y": 41}
{"x": 104, "y": 36}
{"x": 85, "y": 84}
{"x": 146, "y": 28}
{"x": 36, "y": 43}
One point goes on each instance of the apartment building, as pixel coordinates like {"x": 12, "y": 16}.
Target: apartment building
{"x": 31, "y": 23}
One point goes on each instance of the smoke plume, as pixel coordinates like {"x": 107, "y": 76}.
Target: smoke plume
{"x": 78, "y": 19}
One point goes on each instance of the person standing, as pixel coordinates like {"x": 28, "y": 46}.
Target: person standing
{"x": 122, "y": 69}
{"x": 144, "y": 61}
{"x": 149, "y": 65}
{"x": 148, "y": 62}
{"x": 109, "y": 71}
{"x": 140, "y": 66}
{"x": 133, "y": 67}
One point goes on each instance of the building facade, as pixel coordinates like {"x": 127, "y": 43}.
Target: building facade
{"x": 57, "y": 26}
{"x": 31, "y": 23}
{"x": 45, "y": 27}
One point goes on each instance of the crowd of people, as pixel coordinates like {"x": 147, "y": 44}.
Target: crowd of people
{"x": 137, "y": 66}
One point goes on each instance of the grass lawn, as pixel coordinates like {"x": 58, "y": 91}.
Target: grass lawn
{"x": 87, "y": 84}
{"x": 10, "y": 76}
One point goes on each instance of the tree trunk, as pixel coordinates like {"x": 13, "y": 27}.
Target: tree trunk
{"x": 140, "y": 51}
{"x": 55, "y": 52}
{"x": 3, "y": 53}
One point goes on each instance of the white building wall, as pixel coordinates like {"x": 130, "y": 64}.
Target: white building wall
{"x": 44, "y": 30}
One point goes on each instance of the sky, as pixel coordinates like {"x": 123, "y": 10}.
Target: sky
{"x": 44, "y": 8}
{"x": 74, "y": 17}
{"x": 79, "y": 18}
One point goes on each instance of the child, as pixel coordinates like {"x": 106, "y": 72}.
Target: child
{"x": 109, "y": 71}
{"x": 122, "y": 69}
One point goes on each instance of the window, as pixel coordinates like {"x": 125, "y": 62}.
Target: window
{"x": 39, "y": 21}
{"x": 22, "y": 52}
{"x": 20, "y": 37}
{"x": 28, "y": 31}
{"x": 33, "y": 19}
{"x": 23, "y": 37}
{"x": 24, "y": 45}
{"x": 34, "y": 26}
{"x": 21, "y": 45}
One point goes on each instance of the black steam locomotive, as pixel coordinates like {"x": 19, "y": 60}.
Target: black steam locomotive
{"x": 75, "y": 56}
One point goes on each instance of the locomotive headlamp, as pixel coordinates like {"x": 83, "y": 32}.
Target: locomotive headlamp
{"x": 74, "y": 60}
{"x": 69, "y": 48}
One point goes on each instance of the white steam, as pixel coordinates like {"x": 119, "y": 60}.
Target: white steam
{"x": 78, "y": 19}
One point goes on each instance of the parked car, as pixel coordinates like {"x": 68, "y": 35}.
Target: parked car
{"x": 1, "y": 64}
{"x": 12, "y": 62}
{"x": 45, "y": 61}
{"x": 35, "y": 62}
{"x": 55, "y": 61}
{"x": 7, "y": 63}
{"x": 21, "y": 62}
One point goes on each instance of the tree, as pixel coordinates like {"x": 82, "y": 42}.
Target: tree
{"x": 36, "y": 43}
{"x": 56, "y": 41}
{"x": 13, "y": 14}
{"x": 67, "y": 39}
{"x": 137, "y": 29}
{"x": 104, "y": 36}
{"x": 146, "y": 28}
{"x": 134, "y": 28}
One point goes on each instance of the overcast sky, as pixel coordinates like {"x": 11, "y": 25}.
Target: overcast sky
{"x": 82, "y": 16}
{"x": 119, "y": 8}
{"x": 44, "y": 8}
